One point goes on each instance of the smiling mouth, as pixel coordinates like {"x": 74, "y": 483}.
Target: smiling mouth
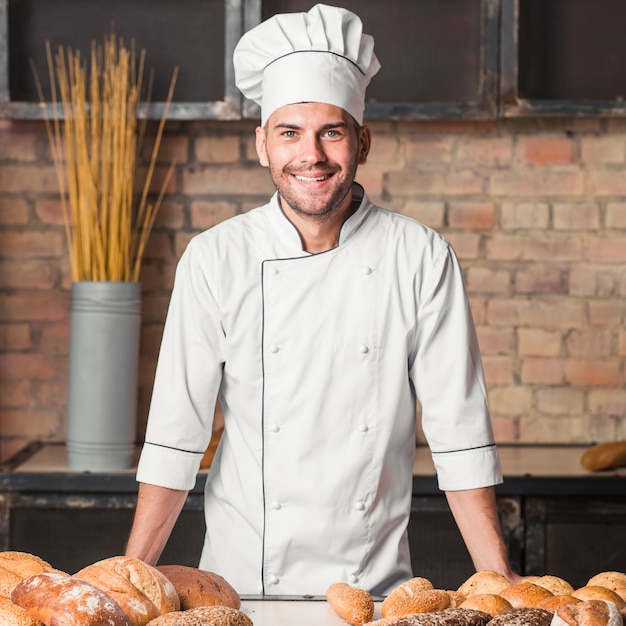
{"x": 312, "y": 179}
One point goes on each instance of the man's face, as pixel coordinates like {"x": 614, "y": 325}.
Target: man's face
{"x": 312, "y": 151}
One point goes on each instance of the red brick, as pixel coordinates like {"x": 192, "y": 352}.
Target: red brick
{"x": 385, "y": 151}
{"x": 594, "y": 372}
{"x": 15, "y": 337}
{"x": 510, "y": 400}
{"x": 28, "y": 274}
{"x": 485, "y": 151}
{"x": 616, "y": 215}
{"x": 16, "y": 393}
{"x": 372, "y": 180}
{"x": 32, "y": 244}
{"x": 207, "y": 214}
{"x": 481, "y": 279}
{"x": 51, "y": 212}
{"x": 21, "y": 366}
{"x": 560, "y": 401}
{"x": 499, "y": 369}
{"x": 159, "y": 246}
{"x": 603, "y": 149}
{"x": 607, "y": 182}
{"x": 544, "y": 313}
{"x": 496, "y": 340}
{"x": 478, "y": 307}
{"x": 589, "y": 343}
{"x": 171, "y": 215}
{"x": 538, "y": 182}
{"x": 426, "y": 150}
{"x": 622, "y": 342}
{"x": 55, "y": 338}
{"x": 547, "y": 247}
{"x": 545, "y": 371}
{"x": 579, "y": 216}
{"x": 607, "y": 402}
{"x": 505, "y": 428}
{"x": 611, "y": 249}
{"x": 35, "y": 306}
{"x": 227, "y": 180}
{"x": 582, "y": 281}
{"x": 52, "y": 393}
{"x": 524, "y": 215}
{"x": 217, "y": 149}
{"x": 545, "y": 150}
{"x": 13, "y": 211}
{"x": 465, "y": 245}
{"x": 539, "y": 342}
{"x": 32, "y": 423}
{"x": 28, "y": 179}
{"x": 19, "y": 146}
{"x": 420, "y": 183}
{"x": 608, "y": 313}
{"x": 154, "y": 308}
{"x": 471, "y": 215}
{"x": 180, "y": 242}
{"x": 157, "y": 182}
{"x": 172, "y": 148}
{"x": 553, "y": 429}
{"x": 429, "y": 213}
{"x": 540, "y": 279}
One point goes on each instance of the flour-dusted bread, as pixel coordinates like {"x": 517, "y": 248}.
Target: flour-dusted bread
{"x": 196, "y": 587}
{"x": 15, "y": 566}
{"x": 588, "y": 613}
{"x": 13, "y": 615}
{"x": 141, "y": 590}
{"x": 352, "y": 604}
{"x": 57, "y": 599}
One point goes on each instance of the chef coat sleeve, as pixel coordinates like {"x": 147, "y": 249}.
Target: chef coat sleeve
{"x": 187, "y": 379}
{"x": 448, "y": 378}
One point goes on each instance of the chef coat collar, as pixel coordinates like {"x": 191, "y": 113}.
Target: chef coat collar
{"x": 348, "y": 228}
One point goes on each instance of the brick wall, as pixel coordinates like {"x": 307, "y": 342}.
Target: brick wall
{"x": 536, "y": 210}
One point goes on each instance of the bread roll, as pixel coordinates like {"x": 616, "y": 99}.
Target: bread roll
{"x": 488, "y": 603}
{"x": 558, "y": 586}
{"x": 13, "y": 615}
{"x": 588, "y": 613}
{"x": 615, "y": 581}
{"x": 57, "y": 599}
{"x": 523, "y": 617}
{"x": 554, "y": 602}
{"x": 353, "y": 605}
{"x": 15, "y": 566}
{"x": 525, "y": 595}
{"x": 196, "y": 587}
{"x": 404, "y": 601}
{"x": 597, "y": 592}
{"x": 447, "y": 617}
{"x": 204, "y": 616}
{"x": 456, "y": 598}
{"x": 604, "y": 456}
{"x": 141, "y": 590}
{"x": 485, "y": 581}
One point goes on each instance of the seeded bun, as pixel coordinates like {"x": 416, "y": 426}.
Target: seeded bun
{"x": 558, "y": 586}
{"x": 615, "y": 581}
{"x": 597, "y": 592}
{"x": 485, "y": 581}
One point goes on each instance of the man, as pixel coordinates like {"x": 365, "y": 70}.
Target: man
{"x": 317, "y": 318}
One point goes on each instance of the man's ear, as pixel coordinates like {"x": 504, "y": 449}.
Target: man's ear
{"x": 261, "y": 142}
{"x": 365, "y": 143}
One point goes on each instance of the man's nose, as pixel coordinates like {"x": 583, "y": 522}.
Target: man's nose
{"x": 311, "y": 149}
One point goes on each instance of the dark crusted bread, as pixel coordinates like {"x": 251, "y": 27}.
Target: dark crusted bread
{"x": 522, "y": 617}
{"x": 446, "y": 617}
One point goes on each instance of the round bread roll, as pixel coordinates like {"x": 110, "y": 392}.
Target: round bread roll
{"x": 353, "y": 605}
{"x": 403, "y": 601}
{"x": 558, "y": 586}
{"x": 141, "y": 590}
{"x": 554, "y": 602}
{"x": 597, "y": 592}
{"x": 487, "y": 602}
{"x": 57, "y": 599}
{"x": 525, "y": 595}
{"x": 15, "y": 566}
{"x": 615, "y": 581}
{"x": 485, "y": 581}
{"x": 196, "y": 587}
{"x": 523, "y": 617}
{"x": 13, "y": 615}
{"x": 588, "y": 613}
{"x": 204, "y": 616}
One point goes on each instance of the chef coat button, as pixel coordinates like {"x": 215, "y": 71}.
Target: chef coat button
{"x": 363, "y": 349}
{"x": 353, "y": 578}
{"x": 363, "y": 428}
{"x": 367, "y": 270}
{"x": 359, "y": 506}
{"x": 275, "y": 428}
{"x": 275, "y": 271}
{"x": 274, "y": 580}
{"x": 274, "y": 349}
{"x": 276, "y": 505}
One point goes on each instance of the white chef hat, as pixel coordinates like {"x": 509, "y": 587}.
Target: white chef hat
{"x": 319, "y": 56}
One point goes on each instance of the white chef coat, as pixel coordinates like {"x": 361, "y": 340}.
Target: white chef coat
{"x": 317, "y": 359}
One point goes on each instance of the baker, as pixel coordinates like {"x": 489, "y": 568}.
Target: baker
{"x": 318, "y": 320}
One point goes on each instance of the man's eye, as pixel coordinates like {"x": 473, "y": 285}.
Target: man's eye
{"x": 332, "y": 133}
{"x": 289, "y": 134}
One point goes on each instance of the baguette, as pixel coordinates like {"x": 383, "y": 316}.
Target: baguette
{"x": 353, "y": 605}
{"x": 604, "y": 456}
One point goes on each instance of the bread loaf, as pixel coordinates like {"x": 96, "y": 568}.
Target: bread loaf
{"x": 15, "y": 566}
{"x": 204, "y": 616}
{"x": 485, "y": 581}
{"x": 525, "y": 595}
{"x": 141, "y": 590}
{"x": 554, "y": 602}
{"x": 558, "y": 586}
{"x": 615, "y": 581}
{"x": 404, "y": 601}
{"x": 522, "y": 617}
{"x": 588, "y": 613}
{"x": 196, "y": 587}
{"x": 597, "y": 592}
{"x": 13, "y": 615}
{"x": 447, "y": 617}
{"x": 604, "y": 456}
{"x": 488, "y": 603}
{"x": 57, "y": 599}
{"x": 353, "y": 605}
